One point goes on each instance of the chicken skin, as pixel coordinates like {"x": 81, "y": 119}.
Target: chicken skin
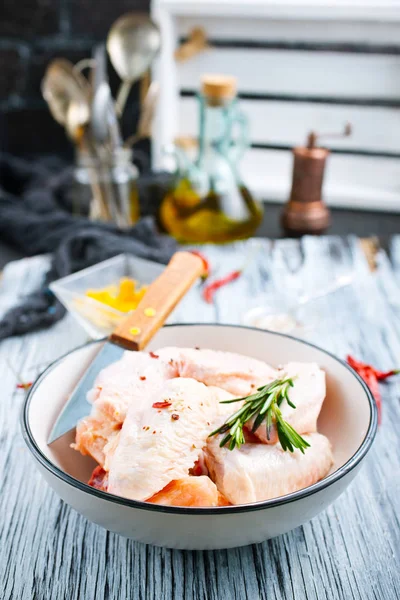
{"x": 240, "y": 375}
{"x": 258, "y": 472}
{"x": 163, "y": 442}
{"x": 307, "y": 394}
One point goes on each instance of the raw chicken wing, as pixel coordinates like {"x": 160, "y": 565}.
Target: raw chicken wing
{"x": 307, "y": 394}
{"x": 258, "y": 472}
{"x": 161, "y": 443}
{"x": 240, "y": 375}
{"x": 188, "y": 491}
{"x": 129, "y": 380}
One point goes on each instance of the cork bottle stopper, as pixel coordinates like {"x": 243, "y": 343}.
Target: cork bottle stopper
{"x": 219, "y": 88}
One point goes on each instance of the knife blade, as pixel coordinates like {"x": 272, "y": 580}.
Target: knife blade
{"x": 133, "y": 333}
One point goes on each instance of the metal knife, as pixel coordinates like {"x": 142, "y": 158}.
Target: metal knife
{"x": 133, "y": 333}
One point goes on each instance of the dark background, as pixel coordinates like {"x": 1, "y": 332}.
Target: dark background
{"x": 32, "y": 32}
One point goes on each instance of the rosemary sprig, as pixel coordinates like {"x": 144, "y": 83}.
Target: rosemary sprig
{"x": 264, "y": 406}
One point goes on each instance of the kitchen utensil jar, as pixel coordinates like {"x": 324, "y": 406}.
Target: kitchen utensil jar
{"x": 108, "y": 183}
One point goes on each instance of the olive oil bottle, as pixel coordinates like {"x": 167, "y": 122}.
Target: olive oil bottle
{"x": 209, "y": 201}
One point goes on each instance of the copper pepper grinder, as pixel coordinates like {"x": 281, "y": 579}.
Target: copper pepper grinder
{"x": 305, "y": 212}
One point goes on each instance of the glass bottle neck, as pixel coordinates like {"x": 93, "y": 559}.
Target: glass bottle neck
{"x": 215, "y": 125}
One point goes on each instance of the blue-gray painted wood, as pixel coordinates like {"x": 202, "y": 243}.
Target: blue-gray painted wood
{"x": 351, "y": 551}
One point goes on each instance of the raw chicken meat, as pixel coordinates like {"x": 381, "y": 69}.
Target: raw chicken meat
{"x": 127, "y": 380}
{"x": 130, "y": 379}
{"x": 307, "y": 394}
{"x": 152, "y": 415}
{"x": 162, "y": 442}
{"x": 99, "y": 479}
{"x": 240, "y": 375}
{"x": 258, "y": 472}
{"x": 188, "y": 491}
{"x": 93, "y": 433}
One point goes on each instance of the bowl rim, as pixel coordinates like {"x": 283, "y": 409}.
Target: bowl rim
{"x": 341, "y": 472}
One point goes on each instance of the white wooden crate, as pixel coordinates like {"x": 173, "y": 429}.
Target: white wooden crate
{"x": 301, "y": 65}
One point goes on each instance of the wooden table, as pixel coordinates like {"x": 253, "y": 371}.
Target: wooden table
{"x": 351, "y": 551}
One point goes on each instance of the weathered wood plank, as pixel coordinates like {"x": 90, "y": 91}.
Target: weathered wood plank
{"x": 351, "y": 551}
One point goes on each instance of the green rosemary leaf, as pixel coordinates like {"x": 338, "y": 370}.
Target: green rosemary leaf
{"x": 235, "y": 427}
{"x": 269, "y": 424}
{"x": 284, "y": 439}
{"x": 234, "y": 400}
{"x": 225, "y": 440}
{"x": 270, "y": 400}
{"x": 259, "y": 419}
{"x": 221, "y": 429}
{"x": 288, "y": 437}
{"x": 264, "y": 406}
{"x": 290, "y": 402}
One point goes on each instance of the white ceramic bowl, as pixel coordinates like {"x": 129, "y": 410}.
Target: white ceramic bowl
{"x": 348, "y": 418}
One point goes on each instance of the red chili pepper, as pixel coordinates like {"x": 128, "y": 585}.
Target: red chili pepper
{"x": 372, "y": 376}
{"x": 211, "y": 288}
{"x": 24, "y": 386}
{"x": 372, "y": 382}
{"x": 380, "y": 375}
{"x": 164, "y": 404}
{"x": 206, "y": 263}
{"x": 153, "y": 355}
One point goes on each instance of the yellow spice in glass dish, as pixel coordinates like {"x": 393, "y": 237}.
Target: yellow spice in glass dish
{"x": 123, "y": 297}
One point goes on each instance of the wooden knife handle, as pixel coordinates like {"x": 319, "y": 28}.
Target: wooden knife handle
{"x": 158, "y": 302}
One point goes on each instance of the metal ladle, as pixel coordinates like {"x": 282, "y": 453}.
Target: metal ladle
{"x": 132, "y": 44}
{"x": 77, "y": 118}
{"x": 61, "y": 85}
{"x": 67, "y": 93}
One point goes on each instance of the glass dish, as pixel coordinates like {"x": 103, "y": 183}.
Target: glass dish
{"x": 97, "y": 318}
{"x": 300, "y": 316}
{"x": 272, "y": 314}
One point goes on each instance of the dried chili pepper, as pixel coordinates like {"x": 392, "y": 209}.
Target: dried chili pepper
{"x": 380, "y": 375}
{"x": 153, "y": 355}
{"x": 372, "y": 382}
{"x": 24, "y": 386}
{"x": 164, "y": 404}
{"x": 205, "y": 261}
{"x": 372, "y": 376}
{"x": 211, "y": 288}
